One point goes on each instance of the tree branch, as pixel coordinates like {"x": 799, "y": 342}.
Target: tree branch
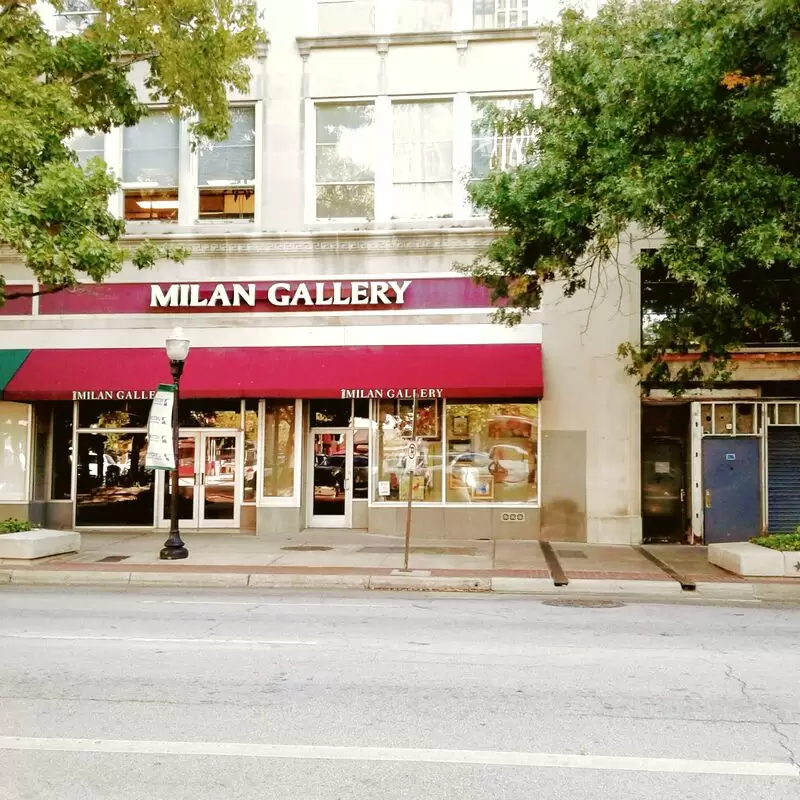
{"x": 47, "y": 290}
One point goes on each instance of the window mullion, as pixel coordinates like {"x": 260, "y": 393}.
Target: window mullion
{"x": 188, "y": 177}
{"x": 383, "y": 158}
{"x": 259, "y": 178}
{"x": 112, "y": 152}
{"x": 462, "y": 154}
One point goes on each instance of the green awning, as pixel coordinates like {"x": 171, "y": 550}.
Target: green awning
{"x": 10, "y": 362}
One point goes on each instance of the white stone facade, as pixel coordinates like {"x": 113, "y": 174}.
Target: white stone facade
{"x": 420, "y": 68}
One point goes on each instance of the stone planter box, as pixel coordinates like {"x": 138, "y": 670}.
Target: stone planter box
{"x": 753, "y": 560}
{"x": 38, "y": 544}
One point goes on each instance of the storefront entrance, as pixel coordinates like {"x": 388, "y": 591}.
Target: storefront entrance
{"x": 330, "y": 481}
{"x": 208, "y": 481}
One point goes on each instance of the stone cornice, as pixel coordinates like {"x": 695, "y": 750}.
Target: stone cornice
{"x": 467, "y": 240}
{"x": 459, "y": 38}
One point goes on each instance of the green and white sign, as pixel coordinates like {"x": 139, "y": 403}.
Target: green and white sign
{"x": 160, "y": 452}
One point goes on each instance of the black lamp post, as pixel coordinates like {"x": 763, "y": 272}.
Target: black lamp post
{"x": 177, "y": 351}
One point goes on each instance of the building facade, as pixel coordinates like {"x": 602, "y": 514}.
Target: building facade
{"x": 321, "y": 302}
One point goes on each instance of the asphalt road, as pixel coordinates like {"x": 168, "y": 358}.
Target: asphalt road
{"x": 193, "y": 695}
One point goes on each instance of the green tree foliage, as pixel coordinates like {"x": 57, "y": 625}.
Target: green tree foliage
{"x": 673, "y": 118}
{"x": 54, "y": 213}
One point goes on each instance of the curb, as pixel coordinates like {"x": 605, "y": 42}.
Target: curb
{"x": 261, "y": 581}
{"x": 742, "y": 591}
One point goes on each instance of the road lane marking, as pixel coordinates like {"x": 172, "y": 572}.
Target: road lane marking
{"x": 256, "y": 603}
{"x": 404, "y": 755}
{"x": 153, "y": 640}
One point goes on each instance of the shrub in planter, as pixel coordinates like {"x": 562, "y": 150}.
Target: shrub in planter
{"x": 779, "y": 541}
{"x": 12, "y": 525}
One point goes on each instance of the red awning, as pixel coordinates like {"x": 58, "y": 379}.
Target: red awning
{"x": 486, "y": 370}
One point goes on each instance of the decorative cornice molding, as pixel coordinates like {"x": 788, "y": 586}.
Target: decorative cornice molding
{"x": 460, "y": 38}
{"x": 470, "y": 240}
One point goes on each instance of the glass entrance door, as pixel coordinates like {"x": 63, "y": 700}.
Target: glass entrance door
{"x": 330, "y": 484}
{"x": 218, "y": 506}
{"x": 208, "y": 482}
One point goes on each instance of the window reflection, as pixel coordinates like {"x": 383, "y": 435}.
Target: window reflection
{"x": 250, "y": 451}
{"x": 112, "y": 413}
{"x": 394, "y": 425}
{"x": 210, "y": 413}
{"x": 61, "y": 476}
{"x": 492, "y": 452}
{"x": 113, "y": 486}
{"x": 278, "y": 461}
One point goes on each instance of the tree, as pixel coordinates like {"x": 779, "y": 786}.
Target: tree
{"x": 671, "y": 118}
{"x": 54, "y": 213}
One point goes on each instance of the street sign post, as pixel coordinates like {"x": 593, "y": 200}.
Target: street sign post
{"x": 411, "y": 462}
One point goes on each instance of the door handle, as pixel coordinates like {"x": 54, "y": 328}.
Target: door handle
{"x": 708, "y": 498}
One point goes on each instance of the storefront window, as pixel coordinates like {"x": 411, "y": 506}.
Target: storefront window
{"x": 250, "y": 451}
{"x": 394, "y": 425}
{"x": 278, "y": 460}
{"x": 14, "y": 428}
{"x": 210, "y": 413}
{"x": 331, "y": 413}
{"x": 41, "y": 436}
{"x": 61, "y": 470}
{"x": 113, "y": 413}
{"x": 114, "y": 488}
{"x": 492, "y": 452}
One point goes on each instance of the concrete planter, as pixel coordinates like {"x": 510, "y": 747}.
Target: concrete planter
{"x": 753, "y": 560}
{"x": 38, "y": 544}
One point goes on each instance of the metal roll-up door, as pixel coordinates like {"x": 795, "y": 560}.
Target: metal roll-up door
{"x": 783, "y": 479}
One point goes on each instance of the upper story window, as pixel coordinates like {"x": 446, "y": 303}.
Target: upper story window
{"x": 417, "y": 16}
{"x": 494, "y": 146}
{"x": 227, "y": 170}
{"x": 345, "y": 161}
{"x": 345, "y": 17}
{"x": 500, "y": 13}
{"x": 87, "y": 146}
{"x": 75, "y": 16}
{"x": 422, "y": 159}
{"x": 150, "y": 168}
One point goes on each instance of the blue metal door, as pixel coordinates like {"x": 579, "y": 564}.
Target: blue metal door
{"x": 731, "y": 489}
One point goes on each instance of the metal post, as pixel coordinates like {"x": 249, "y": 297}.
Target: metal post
{"x": 174, "y": 547}
{"x": 410, "y": 483}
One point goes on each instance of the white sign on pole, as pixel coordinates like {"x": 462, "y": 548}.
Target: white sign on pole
{"x": 411, "y": 456}
{"x": 160, "y": 453}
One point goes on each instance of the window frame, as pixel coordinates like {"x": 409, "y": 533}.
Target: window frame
{"x": 399, "y": 101}
{"x": 293, "y": 501}
{"x": 312, "y": 184}
{"x": 192, "y": 208}
{"x": 125, "y": 186}
{"x": 492, "y": 97}
{"x": 442, "y": 439}
{"x": 188, "y": 176}
{"x": 509, "y": 7}
{"x": 461, "y": 144}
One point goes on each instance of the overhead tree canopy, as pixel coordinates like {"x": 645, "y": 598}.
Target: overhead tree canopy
{"x": 670, "y": 117}
{"x": 54, "y": 213}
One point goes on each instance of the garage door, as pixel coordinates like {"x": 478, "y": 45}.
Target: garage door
{"x": 783, "y": 479}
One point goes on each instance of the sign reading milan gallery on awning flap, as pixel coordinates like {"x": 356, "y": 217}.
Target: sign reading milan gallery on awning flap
{"x": 160, "y": 452}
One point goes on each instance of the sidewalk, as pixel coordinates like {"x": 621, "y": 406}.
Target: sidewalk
{"x": 351, "y": 560}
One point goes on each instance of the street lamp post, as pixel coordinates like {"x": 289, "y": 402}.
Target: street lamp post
{"x": 177, "y": 351}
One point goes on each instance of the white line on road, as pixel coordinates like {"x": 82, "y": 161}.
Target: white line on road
{"x": 256, "y": 603}
{"x": 153, "y": 640}
{"x": 405, "y": 755}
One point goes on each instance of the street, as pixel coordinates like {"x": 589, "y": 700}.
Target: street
{"x": 173, "y": 695}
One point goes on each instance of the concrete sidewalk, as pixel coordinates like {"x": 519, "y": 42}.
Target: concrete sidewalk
{"x": 352, "y": 560}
